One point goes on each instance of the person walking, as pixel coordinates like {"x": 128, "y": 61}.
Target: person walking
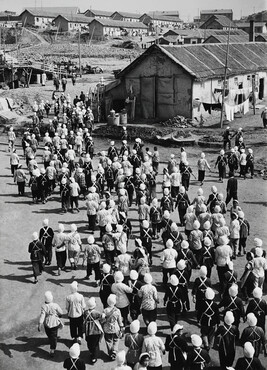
{"x": 20, "y": 178}
{"x": 264, "y": 117}
{"x": 46, "y": 235}
{"x": 121, "y": 290}
{"x": 202, "y": 164}
{"x": 198, "y": 358}
{"x": 59, "y": 243}
{"x": 14, "y": 161}
{"x": 112, "y": 326}
{"x": 173, "y": 298}
{"x": 221, "y": 162}
{"x": 93, "y": 329}
{"x": 255, "y": 335}
{"x": 74, "y": 246}
{"x": 248, "y": 361}
{"x": 74, "y": 194}
{"x": 154, "y": 346}
{"x": 50, "y": 318}
{"x": 107, "y": 279}
{"x": 134, "y": 342}
{"x": 73, "y": 362}
{"x": 177, "y": 347}
{"x": 92, "y": 253}
{"x": 75, "y": 306}
{"x": 37, "y": 253}
{"x": 149, "y": 299}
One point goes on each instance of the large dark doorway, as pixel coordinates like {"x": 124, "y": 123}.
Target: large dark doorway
{"x": 261, "y": 88}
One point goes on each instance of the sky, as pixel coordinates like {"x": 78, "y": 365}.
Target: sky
{"x": 187, "y": 8}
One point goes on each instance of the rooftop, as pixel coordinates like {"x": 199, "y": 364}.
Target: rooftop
{"x": 216, "y": 11}
{"x": 104, "y": 13}
{"x": 129, "y": 15}
{"x": 204, "y": 61}
{"x": 52, "y": 11}
{"x": 80, "y": 18}
{"x": 120, "y": 24}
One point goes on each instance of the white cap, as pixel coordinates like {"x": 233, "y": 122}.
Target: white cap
{"x": 258, "y": 252}
{"x": 120, "y": 358}
{"x": 91, "y": 303}
{"x": 174, "y": 280}
{"x": 169, "y": 243}
{"x": 196, "y": 225}
{"x": 73, "y": 227}
{"x": 251, "y": 319}
{"x": 209, "y": 294}
{"x": 45, "y": 222}
{"x": 74, "y": 286}
{"x": 229, "y": 318}
{"x": 35, "y": 236}
{"x": 257, "y": 292}
{"x": 249, "y": 350}
{"x": 152, "y": 328}
{"x": 112, "y": 299}
{"x": 258, "y": 242}
{"x": 196, "y": 340}
{"x": 135, "y": 326}
{"x": 118, "y": 277}
{"x": 181, "y": 265}
{"x": 145, "y": 224}
{"x": 148, "y": 278}
{"x": 184, "y": 244}
{"x": 106, "y": 268}
{"x": 207, "y": 225}
{"x": 74, "y": 351}
{"x": 207, "y": 241}
{"x": 133, "y": 275}
{"x": 108, "y": 228}
{"x": 90, "y": 239}
{"x": 48, "y": 297}
{"x": 166, "y": 214}
{"x": 176, "y": 328}
{"x": 203, "y": 271}
{"x": 233, "y": 290}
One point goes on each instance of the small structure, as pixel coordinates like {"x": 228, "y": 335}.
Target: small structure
{"x": 158, "y": 20}
{"x": 100, "y": 14}
{"x": 206, "y": 14}
{"x": 126, "y": 17}
{"x": 41, "y": 17}
{"x": 218, "y": 22}
{"x": 70, "y": 23}
{"x": 101, "y": 28}
{"x": 260, "y": 27}
{"x": 224, "y": 38}
{"x": 188, "y": 80}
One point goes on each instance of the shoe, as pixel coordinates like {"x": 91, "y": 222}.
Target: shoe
{"x": 79, "y": 340}
{"x": 52, "y": 353}
{"x": 245, "y": 252}
{"x": 93, "y": 361}
{"x": 35, "y": 281}
{"x": 59, "y": 271}
{"x": 113, "y": 356}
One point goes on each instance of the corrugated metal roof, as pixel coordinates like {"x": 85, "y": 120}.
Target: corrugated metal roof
{"x": 80, "y": 18}
{"x": 204, "y": 61}
{"x": 121, "y": 24}
{"x": 247, "y": 24}
{"x": 204, "y": 33}
{"x": 215, "y": 11}
{"x": 52, "y": 11}
{"x": 224, "y": 38}
{"x": 129, "y": 15}
{"x": 105, "y": 13}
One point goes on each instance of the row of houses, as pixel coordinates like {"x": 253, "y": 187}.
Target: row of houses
{"x": 188, "y": 80}
{"x": 41, "y": 17}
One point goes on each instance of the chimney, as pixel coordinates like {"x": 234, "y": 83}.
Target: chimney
{"x": 251, "y": 31}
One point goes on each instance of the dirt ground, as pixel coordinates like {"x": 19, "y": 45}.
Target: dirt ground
{"x": 22, "y": 346}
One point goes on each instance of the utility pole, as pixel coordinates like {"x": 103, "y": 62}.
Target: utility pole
{"x": 79, "y": 47}
{"x": 225, "y": 75}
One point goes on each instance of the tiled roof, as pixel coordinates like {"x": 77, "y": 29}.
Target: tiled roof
{"x": 121, "y": 24}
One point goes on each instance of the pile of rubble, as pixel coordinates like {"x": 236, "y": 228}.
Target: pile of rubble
{"x": 177, "y": 122}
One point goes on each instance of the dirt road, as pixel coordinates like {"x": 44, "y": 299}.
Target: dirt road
{"x": 21, "y": 344}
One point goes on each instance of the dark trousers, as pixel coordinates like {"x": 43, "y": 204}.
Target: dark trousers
{"x": 182, "y": 213}
{"x": 110, "y": 257}
{"x": 65, "y": 200}
{"x": 124, "y": 314}
{"x": 156, "y": 228}
{"x": 52, "y": 336}
{"x": 221, "y": 270}
{"x": 201, "y": 175}
{"x": 243, "y": 170}
{"x": 242, "y": 244}
{"x": 13, "y": 168}
{"x": 93, "y": 344}
{"x": 96, "y": 268}
{"x": 74, "y": 200}
{"x": 91, "y": 222}
{"x": 230, "y": 196}
{"x": 250, "y": 166}
{"x": 154, "y": 367}
{"x": 76, "y": 327}
{"x": 48, "y": 249}
{"x": 167, "y": 273}
{"x": 61, "y": 258}
{"x": 37, "y": 268}
{"x": 222, "y": 172}
{"x": 174, "y": 191}
{"x": 149, "y": 315}
{"x": 21, "y": 188}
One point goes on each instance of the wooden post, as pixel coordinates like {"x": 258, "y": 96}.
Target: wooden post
{"x": 79, "y": 47}
{"x": 225, "y": 75}
{"x": 253, "y": 94}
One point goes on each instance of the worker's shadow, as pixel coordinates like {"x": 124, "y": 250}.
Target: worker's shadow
{"x": 34, "y": 344}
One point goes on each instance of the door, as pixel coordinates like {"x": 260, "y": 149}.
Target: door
{"x": 261, "y": 89}
{"x": 147, "y": 97}
{"x": 165, "y": 97}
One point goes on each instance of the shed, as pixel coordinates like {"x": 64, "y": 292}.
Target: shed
{"x": 126, "y": 16}
{"x": 40, "y": 17}
{"x": 259, "y": 27}
{"x": 104, "y": 14}
{"x": 185, "y": 80}
{"x": 69, "y": 23}
{"x": 224, "y": 38}
{"x": 206, "y": 14}
{"x": 219, "y": 22}
{"x": 100, "y": 28}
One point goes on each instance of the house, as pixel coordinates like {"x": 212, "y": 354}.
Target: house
{"x": 9, "y": 20}
{"x": 261, "y": 37}
{"x": 206, "y": 14}
{"x": 101, "y": 28}
{"x": 41, "y": 17}
{"x": 160, "y": 21}
{"x": 224, "y": 38}
{"x": 259, "y": 27}
{"x": 198, "y": 35}
{"x": 188, "y": 80}
{"x": 126, "y": 17}
{"x": 218, "y": 22}
{"x": 69, "y": 23}
{"x": 102, "y": 14}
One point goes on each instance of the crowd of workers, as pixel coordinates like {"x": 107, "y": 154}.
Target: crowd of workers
{"x": 113, "y": 183}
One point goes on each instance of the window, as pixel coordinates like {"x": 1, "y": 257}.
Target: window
{"x": 236, "y": 80}
{"x": 37, "y": 19}
{"x": 240, "y": 85}
{"x": 248, "y": 77}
